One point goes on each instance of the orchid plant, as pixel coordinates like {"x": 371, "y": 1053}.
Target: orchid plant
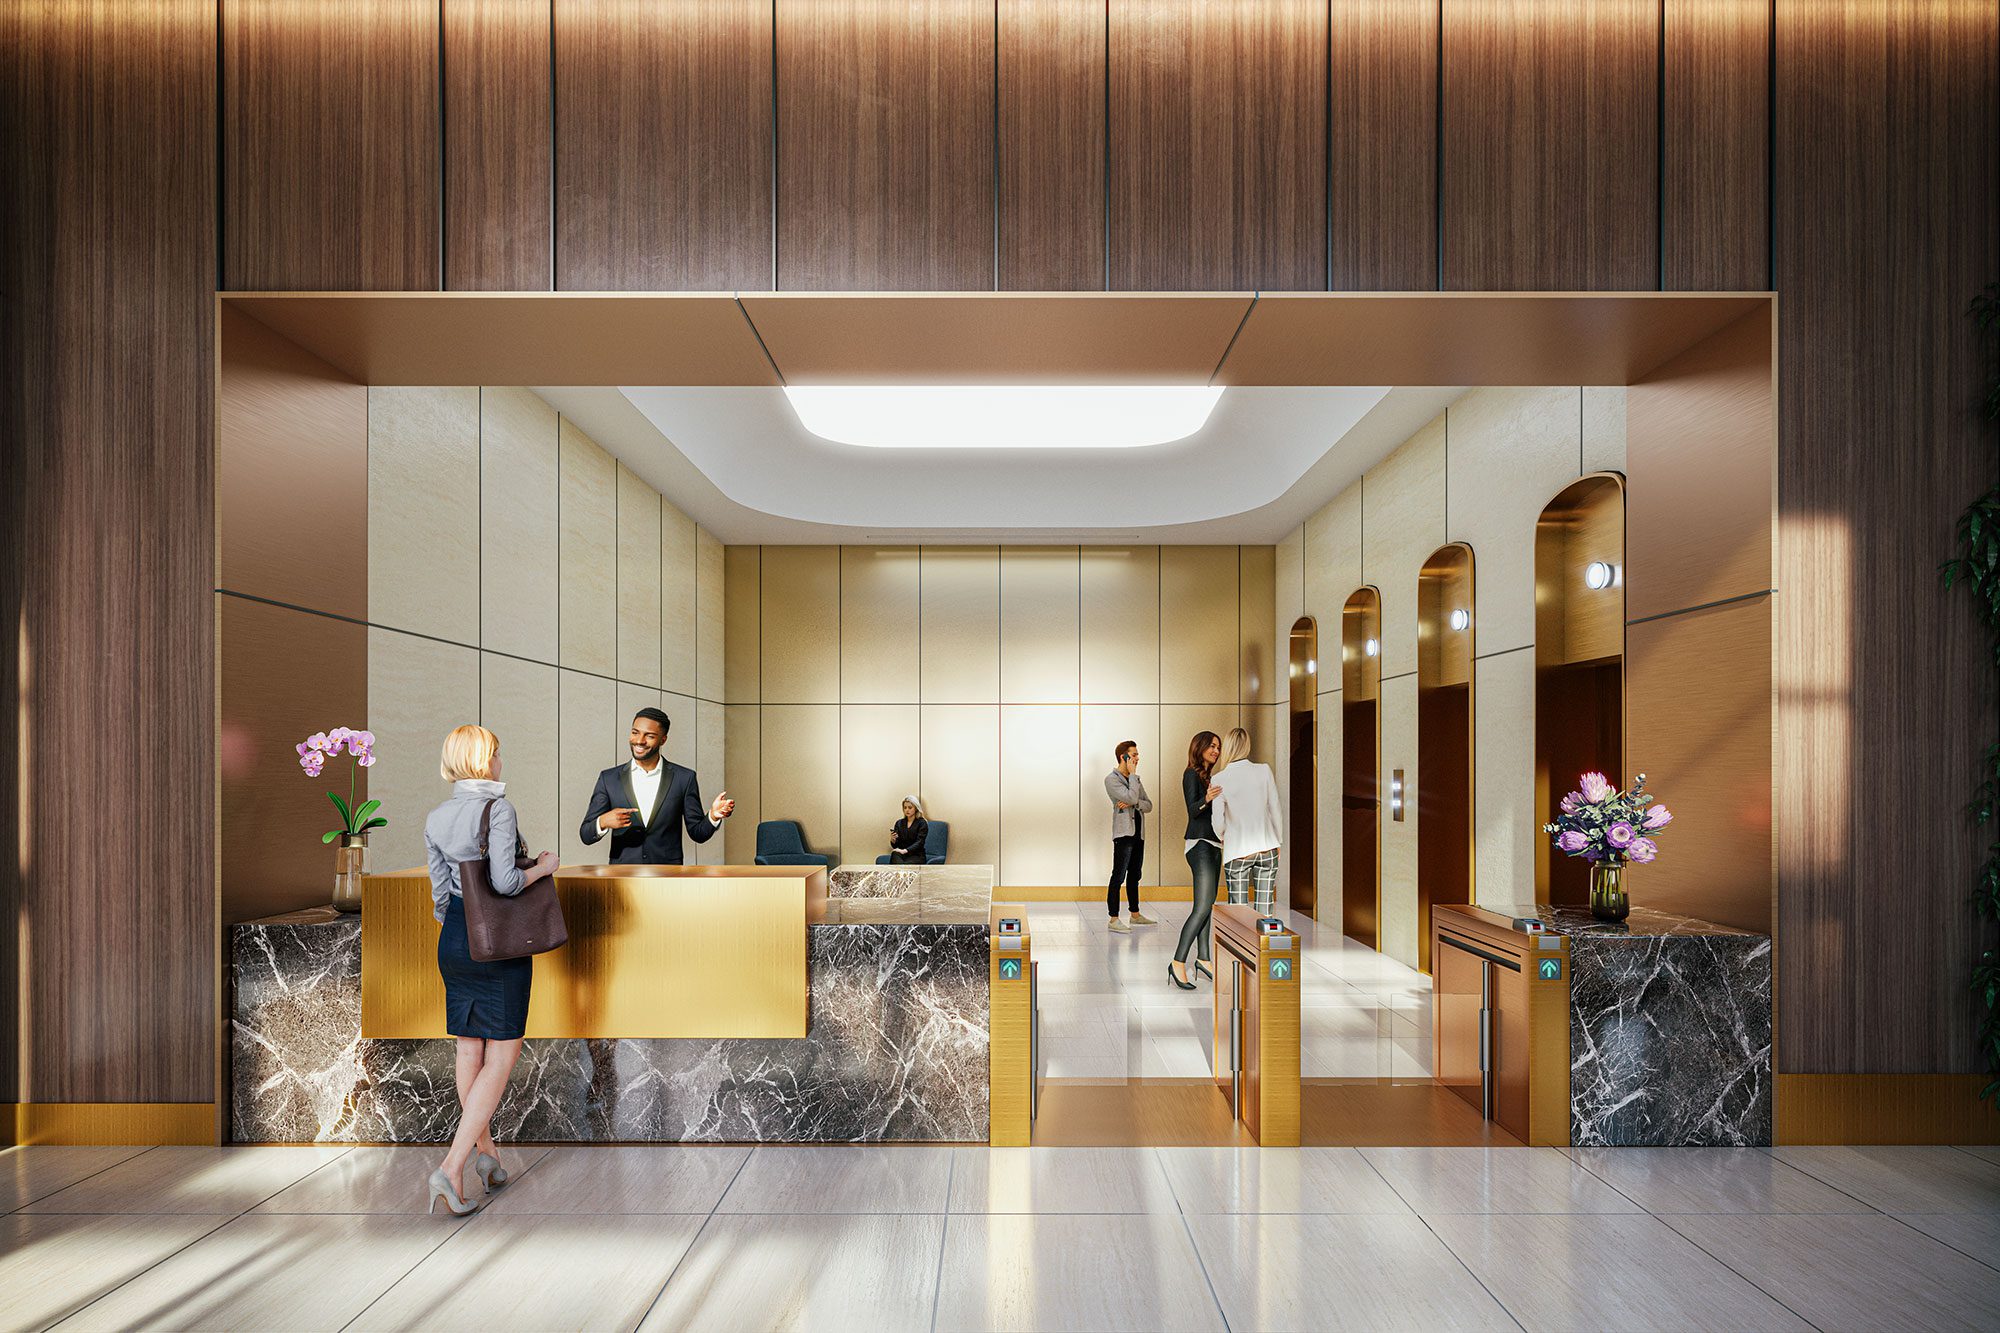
{"x": 1604, "y": 825}
{"x": 316, "y": 749}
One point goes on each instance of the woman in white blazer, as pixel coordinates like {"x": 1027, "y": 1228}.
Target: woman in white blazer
{"x": 1248, "y": 817}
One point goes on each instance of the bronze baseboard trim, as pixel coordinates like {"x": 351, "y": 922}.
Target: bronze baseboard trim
{"x": 1883, "y": 1108}
{"x": 148, "y": 1123}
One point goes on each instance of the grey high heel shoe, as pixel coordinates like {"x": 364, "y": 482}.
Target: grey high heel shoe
{"x": 441, "y": 1188}
{"x": 491, "y": 1174}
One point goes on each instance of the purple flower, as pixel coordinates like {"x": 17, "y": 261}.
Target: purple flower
{"x": 1621, "y": 835}
{"x": 1659, "y": 817}
{"x": 366, "y": 760}
{"x": 316, "y": 741}
{"x": 367, "y": 739}
{"x": 1642, "y": 850}
{"x": 1571, "y": 802}
{"x": 1596, "y": 787}
{"x": 1572, "y": 842}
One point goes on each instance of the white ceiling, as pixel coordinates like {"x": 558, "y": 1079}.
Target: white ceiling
{"x": 738, "y": 462}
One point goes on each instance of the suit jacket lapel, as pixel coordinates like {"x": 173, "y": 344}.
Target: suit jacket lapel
{"x": 660, "y": 792}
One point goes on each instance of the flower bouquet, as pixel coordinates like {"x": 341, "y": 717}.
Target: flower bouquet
{"x": 1608, "y": 828}
{"x": 351, "y": 862}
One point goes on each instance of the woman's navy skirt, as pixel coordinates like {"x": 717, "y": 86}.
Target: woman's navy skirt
{"x": 488, "y": 1000}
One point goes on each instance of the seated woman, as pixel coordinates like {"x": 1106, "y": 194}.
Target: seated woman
{"x": 906, "y": 838}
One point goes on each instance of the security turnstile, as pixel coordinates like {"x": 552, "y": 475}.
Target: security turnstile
{"x": 1500, "y": 1015}
{"x": 1257, "y": 1022}
{"x": 1013, "y": 1029}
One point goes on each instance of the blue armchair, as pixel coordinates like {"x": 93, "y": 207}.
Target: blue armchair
{"x": 935, "y": 841}
{"x": 780, "y": 843}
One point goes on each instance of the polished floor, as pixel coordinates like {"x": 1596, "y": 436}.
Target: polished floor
{"x": 892, "y": 1238}
{"x": 1109, "y": 1012}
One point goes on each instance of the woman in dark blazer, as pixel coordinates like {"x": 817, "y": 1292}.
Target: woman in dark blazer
{"x": 1204, "y": 856}
{"x": 906, "y": 838}
{"x": 485, "y": 1004}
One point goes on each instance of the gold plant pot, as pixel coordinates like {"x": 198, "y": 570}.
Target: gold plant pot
{"x": 350, "y": 863}
{"x": 1607, "y": 891}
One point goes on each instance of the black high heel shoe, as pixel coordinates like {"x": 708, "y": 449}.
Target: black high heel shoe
{"x": 1202, "y": 968}
{"x": 1175, "y": 978}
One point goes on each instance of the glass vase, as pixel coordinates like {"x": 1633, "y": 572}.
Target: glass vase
{"x": 1607, "y": 891}
{"x": 350, "y": 863}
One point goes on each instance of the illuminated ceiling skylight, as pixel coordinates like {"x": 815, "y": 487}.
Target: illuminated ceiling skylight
{"x": 1003, "y": 416}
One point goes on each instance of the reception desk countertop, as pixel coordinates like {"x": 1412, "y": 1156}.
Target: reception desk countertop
{"x": 895, "y": 1046}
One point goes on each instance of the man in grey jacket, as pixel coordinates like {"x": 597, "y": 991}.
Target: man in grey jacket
{"x": 1129, "y": 807}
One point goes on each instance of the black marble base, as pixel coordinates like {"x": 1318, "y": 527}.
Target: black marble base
{"x": 1670, "y": 1031}
{"x": 895, "y": 1050}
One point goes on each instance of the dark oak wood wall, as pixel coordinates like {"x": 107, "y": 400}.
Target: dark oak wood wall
{"x": 663, "y": 145}
{"x": 160, "y": 148}
{"x": 499, "y": 146}
{"x": 330, "y": 145}
{"x": 107, "y": 142}
{"x": 1885, "y": 181}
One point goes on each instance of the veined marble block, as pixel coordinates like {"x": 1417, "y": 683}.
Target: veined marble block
{"x": 895, "y": 1050}
{"x": 1670, "y": 1031}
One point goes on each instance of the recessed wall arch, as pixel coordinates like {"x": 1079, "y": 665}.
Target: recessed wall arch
{"x": 1579, "y": 658}
{"x": 1361, "y": 764}
{"x": 1447, "y": 623}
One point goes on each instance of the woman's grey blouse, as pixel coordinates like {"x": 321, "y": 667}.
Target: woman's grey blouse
{"x": 451, "y": 835}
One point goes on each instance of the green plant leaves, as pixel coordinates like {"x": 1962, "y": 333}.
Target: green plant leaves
{"x": 367, "y": 808}
{"x": 341, "y": 806}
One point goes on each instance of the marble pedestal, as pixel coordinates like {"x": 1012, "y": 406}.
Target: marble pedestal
{"x": 1670, "y": 1030}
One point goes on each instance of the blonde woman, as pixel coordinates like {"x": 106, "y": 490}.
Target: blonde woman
{"x": 485, "y": 1004}
{"x": 1247, "y": 815}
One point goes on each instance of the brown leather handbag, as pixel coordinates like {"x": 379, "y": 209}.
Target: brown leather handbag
{"x": 497, "y": 926}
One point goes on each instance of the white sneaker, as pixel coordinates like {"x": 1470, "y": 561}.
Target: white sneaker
{"x": 1141, "y": 919}
{"x": 1119, "y": 925}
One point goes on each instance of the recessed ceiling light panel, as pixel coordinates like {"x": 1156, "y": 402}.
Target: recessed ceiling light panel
{"x": 1003, "y": 416}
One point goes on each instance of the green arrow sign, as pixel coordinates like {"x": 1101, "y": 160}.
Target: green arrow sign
{"x": 1281, "y": 969}
{"x": 1550, "y": 969}
{"x": 1010, "y": 969}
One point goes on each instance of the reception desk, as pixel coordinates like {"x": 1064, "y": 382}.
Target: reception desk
{"x": 892, "y": 960}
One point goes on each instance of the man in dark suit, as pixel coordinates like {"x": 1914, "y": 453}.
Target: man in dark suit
{"x": 644, "y": 804}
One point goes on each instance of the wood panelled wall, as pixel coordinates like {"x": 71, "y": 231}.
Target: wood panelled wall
{"x": 107, "y": 141}
{"x": 1845, "y": 153}
{"x": 1015, "y": 145}
{"x": 1887, "y": 166}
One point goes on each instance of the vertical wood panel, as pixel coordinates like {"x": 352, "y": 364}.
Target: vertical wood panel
{"x": 497, "y": 203}
{"x": 1383, "y": 153}
{"x": 106, "y": 559}
{"x": 1051, "y": 143}
{"x": 330, "y": 145}
{"x": 1218, "y": 145}
{"x": 1715, "y": 133}
{"x": 885, "y": 145}
{"x": 1886, "y": 153}
{"x": 1550, "y": 145}
{"x": 663, "y": 145}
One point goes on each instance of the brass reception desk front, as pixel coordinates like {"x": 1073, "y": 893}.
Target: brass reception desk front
{"x": 654, "y": 951}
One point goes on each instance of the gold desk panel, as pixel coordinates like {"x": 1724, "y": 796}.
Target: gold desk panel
{"x": 654, "y": 951}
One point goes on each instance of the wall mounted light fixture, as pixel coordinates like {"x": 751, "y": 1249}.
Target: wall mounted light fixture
{"x": 1460, "y": 618}
{"x": 1312, "y": 666}
{"x": 1371, "y": 647}
{"x": 1396, "y": 795}
{"x": 1598, "y": 575}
